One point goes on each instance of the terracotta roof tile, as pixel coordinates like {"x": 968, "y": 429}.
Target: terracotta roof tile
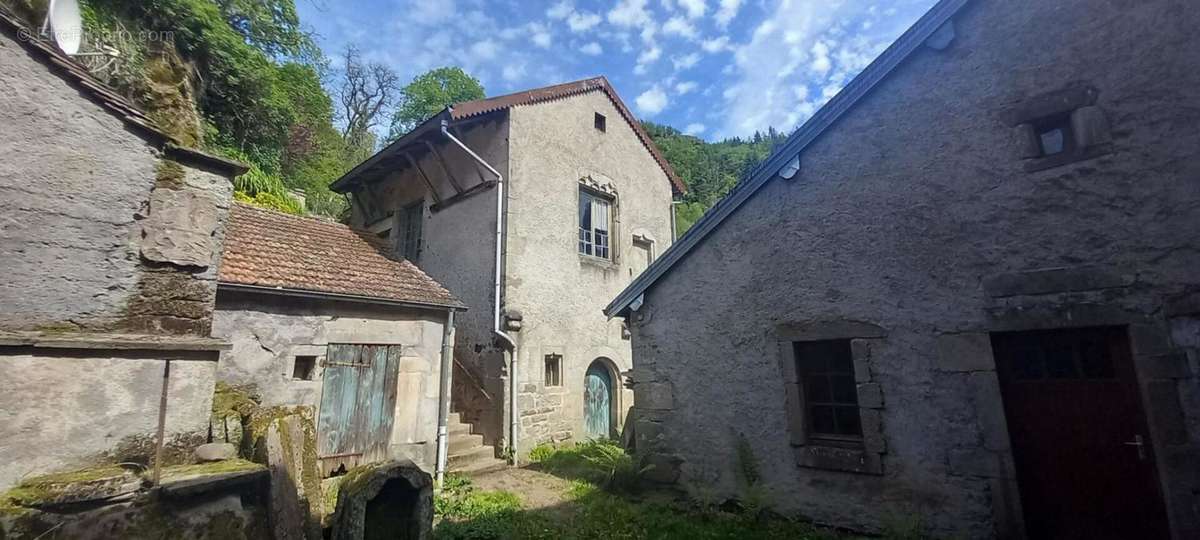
{"x": 271, "y": 249}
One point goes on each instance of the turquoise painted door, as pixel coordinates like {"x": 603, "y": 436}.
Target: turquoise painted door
{"x": 597, "y": 402}
{"x": 358, "y": 399}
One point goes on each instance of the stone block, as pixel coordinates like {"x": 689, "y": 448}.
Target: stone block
{"x": 401, "y": 487}
{"x": 1187, "y": 304}
{"x": 860, "y": 351}
{"x": 1090, "y": 125}
{"x": 180, "y": 227}
{"x": 870, "y": 396}
{"x": 965, "y": 352}
{"x": 1166, "y": 366}
{"x": 1150, "y": 339}
{"x": 655, "y": 395}
{"x": 977, "y": 462}
{"x": 821, "y": 330}
{"x": 1054, "y": 280}
{"x": 662, "y": 468}
{"x": 872, "y": 429}
{"x": 215, "y": 452}
{"x": 1165, "y": 414}
{"x": 989, "y": 410}
{"x": 839, "y": 459}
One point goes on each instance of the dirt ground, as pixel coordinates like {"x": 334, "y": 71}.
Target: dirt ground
{"x": 537, "y": 490}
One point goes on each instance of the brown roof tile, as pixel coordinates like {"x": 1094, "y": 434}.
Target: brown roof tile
{"x": 468, "y": 109}
{"x": 271, "y": 249}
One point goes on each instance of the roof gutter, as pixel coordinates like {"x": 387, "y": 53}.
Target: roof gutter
{"x": 497, "y": 282}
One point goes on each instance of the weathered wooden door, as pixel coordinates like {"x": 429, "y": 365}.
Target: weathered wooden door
{"x": 597, "y": 401}
{"x": 358, "y": 401}
{"x": 1085, "y": 465}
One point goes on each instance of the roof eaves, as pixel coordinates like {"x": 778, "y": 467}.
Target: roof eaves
{"x": 342, "y": 184}
{"x": 313, "y": 293}
{"x": 874, "y": 73}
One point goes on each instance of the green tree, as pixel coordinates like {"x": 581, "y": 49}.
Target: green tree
{"x": 428, "y": 94}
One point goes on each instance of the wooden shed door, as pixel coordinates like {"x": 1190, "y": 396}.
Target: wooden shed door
{"x": 1085, "y": 466}
{"x": 358, "y": 401}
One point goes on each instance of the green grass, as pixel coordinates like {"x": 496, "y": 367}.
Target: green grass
{"x": 590, "y": 511}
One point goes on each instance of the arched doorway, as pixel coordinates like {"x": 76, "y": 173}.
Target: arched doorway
{"x": 598, "y": 400}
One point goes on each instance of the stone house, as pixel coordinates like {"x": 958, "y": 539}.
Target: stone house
{"x": 535, "y": 208}
{"x": 110, "y": 241}
{"x": 963, "y": 294}
{"x": 323, "y": 316}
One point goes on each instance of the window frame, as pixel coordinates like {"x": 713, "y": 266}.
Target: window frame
{"x": 311, "y": 368}
{"x": 600, "y": 122}
{"x": 586, "y": 238}
{"x": 410, "y": 220}
{"x": 807, "y": 373}
{"x": 552, "y": 365}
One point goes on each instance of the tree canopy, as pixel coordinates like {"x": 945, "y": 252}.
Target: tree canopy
{"x": 428, "y": 94}
{"x": 709, "y": 170}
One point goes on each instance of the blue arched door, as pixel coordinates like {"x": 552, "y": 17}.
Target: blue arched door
{"x": 597, "y": 401}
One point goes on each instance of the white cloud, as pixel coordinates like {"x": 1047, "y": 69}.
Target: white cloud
{"x": 513, "y": 72}
{"x": 649, "y": 55}
{"x": 727, "y": 11}
{"x": 685, "y": 87}
{"x": 680, "y": 27}
{"x": 430, "y": 13}
{"x": 694, "y": 8}
{"x": 485, "y": 49}
{"x": 652, "y": 101}
{"x": 592, "y": 49}
{"x": 560, "y": 10}
{"x": 694, "y": 128}
{"x": 821, "y": 64}
{"x": 629, "y": 13}
{"x": 715, "y": 45}
{"x": 801, "y": 55}
{"x": 582, "y": 21}
{"x": 685, "y": 62}
{"x": 539, "y": 34}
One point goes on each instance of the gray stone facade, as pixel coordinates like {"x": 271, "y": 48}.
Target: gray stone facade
{"x": 917, "y": 226}
{"x": 546, "y": 152}
{"x": 110, "y": 244}
{"x": 268, "y": 331}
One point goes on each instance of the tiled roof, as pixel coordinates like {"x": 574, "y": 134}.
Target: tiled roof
{"x": 102, "y": 94}
{"x": 270, "y": 249}
{"x": 528, "y": 97}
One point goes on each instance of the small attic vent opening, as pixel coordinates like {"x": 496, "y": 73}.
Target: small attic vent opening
{"x": 600, "y": 122}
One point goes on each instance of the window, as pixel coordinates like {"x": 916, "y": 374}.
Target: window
{"x": 595, "y": 222}
{"x": 826, "y": 373}
{"x": 304, "y": 368}
{"x": 600, "y": 122}
{"x": 409, "y": 239}
{"x": 553, "y": 370}
{"x": 1054, "y": 135}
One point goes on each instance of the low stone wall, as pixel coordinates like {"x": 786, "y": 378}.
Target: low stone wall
{"x": 68, "y": 408}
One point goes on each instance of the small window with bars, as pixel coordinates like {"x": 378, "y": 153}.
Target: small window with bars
{"x": 595, "y": 222}
{"x": 408, "y": 241}
{"x": 553, "y": 370}
{"x": 826, "y": 370}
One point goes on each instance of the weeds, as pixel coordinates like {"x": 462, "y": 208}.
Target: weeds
{"x": 601, "y": 462}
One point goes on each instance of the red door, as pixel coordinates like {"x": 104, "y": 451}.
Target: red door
{"x": 1085, "y": 465}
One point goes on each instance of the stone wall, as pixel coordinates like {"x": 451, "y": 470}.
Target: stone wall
{"x": 101, "y": 231}
{"x": 916, "y": 215}
{"x": 268, "y": 331}
{"x": 559, "y": 292}
{"x": 63, "y": 409}
{"x": 458, "y": 250}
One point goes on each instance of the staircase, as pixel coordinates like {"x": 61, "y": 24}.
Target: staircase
{"x": 467, "y": 453}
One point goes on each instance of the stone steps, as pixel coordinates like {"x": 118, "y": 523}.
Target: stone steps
{"x": 467, "y": 453}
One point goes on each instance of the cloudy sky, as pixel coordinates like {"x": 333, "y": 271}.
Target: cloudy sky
{"x": 713, "y": 68}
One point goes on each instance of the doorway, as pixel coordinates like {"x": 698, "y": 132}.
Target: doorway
{"x": 598, "y": 401}
{"x": 358, "y": 402}
{"x": 1084, "y": 459}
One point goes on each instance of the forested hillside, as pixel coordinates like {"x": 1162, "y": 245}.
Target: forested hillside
{"x": 710, "y": 170}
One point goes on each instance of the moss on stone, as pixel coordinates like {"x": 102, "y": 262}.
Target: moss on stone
{"x": 216, "y": 467}
{"x": 169, "y": 174}
{"x": 234, "y": 400}
{"x": 73, "y": 485}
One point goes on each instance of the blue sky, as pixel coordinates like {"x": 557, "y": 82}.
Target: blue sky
{"x": 713, "y": 68}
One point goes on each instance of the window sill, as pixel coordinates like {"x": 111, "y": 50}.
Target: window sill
{"x": 844, "y": 457}
{"x": 1058, "y": 160}
{"x": 590, "y": 260}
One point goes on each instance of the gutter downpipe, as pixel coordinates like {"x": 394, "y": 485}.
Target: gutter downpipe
{"x": 496, "y": 329}
{"x": 447, "y": 372}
